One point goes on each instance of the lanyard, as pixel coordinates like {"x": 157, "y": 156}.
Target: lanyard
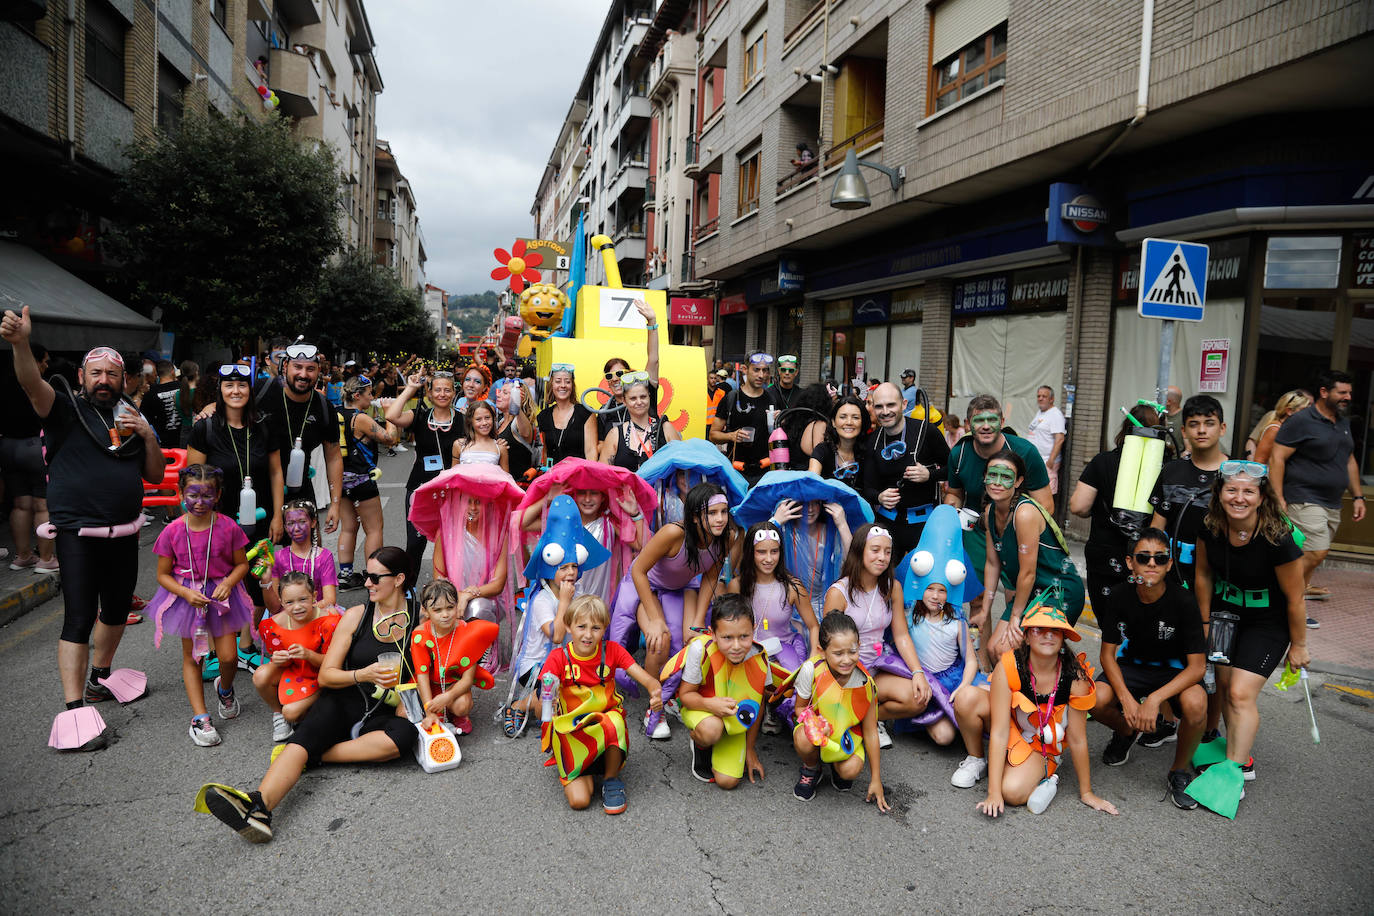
{"x": 245, "y": 465}
{"x": 286, "y": 406}
{"x": 190, "y": 557}
{"x": 308, "y": 565}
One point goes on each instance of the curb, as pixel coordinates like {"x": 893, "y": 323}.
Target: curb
{"x": 15, "y": 604}
{"x": 1359, "y": 674}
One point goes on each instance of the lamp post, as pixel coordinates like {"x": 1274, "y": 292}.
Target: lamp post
{"x": 851, "y": 191}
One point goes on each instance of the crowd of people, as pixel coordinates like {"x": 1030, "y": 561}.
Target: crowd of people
{"x": 828, "y": 565}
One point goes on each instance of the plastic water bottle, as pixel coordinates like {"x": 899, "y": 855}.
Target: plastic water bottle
{"x": 779, "y": 453}
{"x": 200, "y": 642}
{"x": 1209, "y": 679}
{"x": 295, "y": 469}
{"x": 248, "y": 504}
{"x": 546, "y": 694}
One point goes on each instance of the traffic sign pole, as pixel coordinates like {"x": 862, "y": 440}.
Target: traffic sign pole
{"x": 1166, "y": 359}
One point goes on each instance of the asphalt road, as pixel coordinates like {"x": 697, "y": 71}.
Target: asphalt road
{"x": 114, "y": 831}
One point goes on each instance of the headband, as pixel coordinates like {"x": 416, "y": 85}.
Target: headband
{"x": 103, "y": 353}
{"x": 766, "y": 534}
{"x": 877, "y": 532}
{"x": 717, "y": 500}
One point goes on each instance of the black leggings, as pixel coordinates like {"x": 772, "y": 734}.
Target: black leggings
{"x": 415, "y": 545}
{"x": 331, "y": 719}
{"x": 98, "y": 579}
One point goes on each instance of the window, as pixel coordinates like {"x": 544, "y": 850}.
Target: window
{"x": 749, "y": 183}
{"x": 857, "y": 118}
{"x": 219, "y": 11}
{"x": 383, "y": 204}
{"x": 105, "y": 32}
{"x": 755, "y": 50}
{"x": 170, "y": 87}
{"x": 975, "y": 66}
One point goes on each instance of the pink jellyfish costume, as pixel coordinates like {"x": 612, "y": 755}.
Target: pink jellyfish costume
{"x": 470, "y": 506}
{"x": 615, "y": 530}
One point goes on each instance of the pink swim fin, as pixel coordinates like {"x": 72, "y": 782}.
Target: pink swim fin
{"x": 80, "y": 729}
{"x": 127, "y": 684}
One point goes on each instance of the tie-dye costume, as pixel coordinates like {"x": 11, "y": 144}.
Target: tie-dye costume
{"x": 588, "y": 716}
{"x": 1030, "y": 733}
{"x": 299, "y": 678}
{"x": 842, "y": 706}
{"x": 702, "y": 663}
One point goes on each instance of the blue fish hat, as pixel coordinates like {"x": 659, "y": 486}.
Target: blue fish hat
{"x": 938, "y": 559}
{"x": 564, "y": 540}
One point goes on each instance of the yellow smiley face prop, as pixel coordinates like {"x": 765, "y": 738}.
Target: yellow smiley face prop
{"x": 541, "y": 309}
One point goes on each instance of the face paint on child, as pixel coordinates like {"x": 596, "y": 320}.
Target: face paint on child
{"x": 297, "y": 524}
{"x": 200, "y": 498}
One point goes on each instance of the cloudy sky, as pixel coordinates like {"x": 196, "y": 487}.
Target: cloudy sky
{"x": 475, "y": 92}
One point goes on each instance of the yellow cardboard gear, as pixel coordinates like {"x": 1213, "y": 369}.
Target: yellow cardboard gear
{"x": 602, "y": 313}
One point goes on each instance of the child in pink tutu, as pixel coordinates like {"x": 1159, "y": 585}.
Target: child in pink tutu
{"x": 201, "y": 561}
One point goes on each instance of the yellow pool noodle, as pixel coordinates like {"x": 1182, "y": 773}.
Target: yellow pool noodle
{"x": 1151, "y": 460}
{"x": 1132, "y": 449}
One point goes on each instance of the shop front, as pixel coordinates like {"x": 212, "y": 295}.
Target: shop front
{"x": 734, "y": 327}
{"x": 689, "y": 319}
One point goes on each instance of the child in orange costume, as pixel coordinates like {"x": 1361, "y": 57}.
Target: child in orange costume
{"x": 445, "y": 659}
{"x": 295, "y": 639}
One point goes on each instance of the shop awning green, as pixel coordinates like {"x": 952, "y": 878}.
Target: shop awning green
{"x": 68, "y": 313}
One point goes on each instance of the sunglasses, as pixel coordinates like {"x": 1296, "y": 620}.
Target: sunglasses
{"x": 610, "y": 376}
{"x": 302, "y": 351}
{"x": 791, "y": 370}
{"x": 234, "y": 369}
{"x": 985, "y": 419}
{"x": 1003, "y": 477}
{"x": 1239, "y": 468}
{"x": 1145, "y": 559}
{"x": 373, "y": 578}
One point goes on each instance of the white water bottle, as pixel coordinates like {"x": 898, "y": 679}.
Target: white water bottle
{"x": 295, "y": 470}
{"x": 248, "y": 504}
{"x": 200, "y": 642}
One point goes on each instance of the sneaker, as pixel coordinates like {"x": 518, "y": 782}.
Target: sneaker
{"x": 1211, "y": 735}
{"x": 391, "y": 453}
{"x": 203, "y": 731}
{"x": 613, "y": 796}
{"x": 772, "y": 725}
{"x": 250, "y": 659}
{"x": 673, "y": 708}
{"x": 46, "y": 567}
{"x": 1118, "y": 749}
{"x": 209, "y": 667}
{"x": 229, "y": 707}
{"x": 701, "y": 763}
{"x": 661, "y": 731}
{"x": 133, "y": 619}
{"x": 400, "y": 448}
{"x": 1313, "y": 624}
{"x": 96, "y": 692}
{"x": 462, "y": 725}
{"x": 884, "y": 739}
{"x": 841, "y": 785}
{"x": 137, "y": 604}
{"x": 350, "y": 580}
{"x": 1248, "y": 770}
{"x": 281, "y": 729}
{"x": 1177, "y": 782}
{"x": 250, "y": 820}
{"x": 809, "y": 777}
{"x": 1042, "y": 796}
{"x": 27, "y": 562}
{"x": 1164, "y": 733}
{"x": 969, "y": 772}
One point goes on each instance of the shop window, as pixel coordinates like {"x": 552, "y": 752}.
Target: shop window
{"x": 755, "y": 50}
{"x": 860, "y": 100}
{"x": 170, "y": 86}
{"x": 1302, "y": 262}
{"x": 749, "y": 183}
{"x": 968, "y": 49}
{"x": 105, "y": 33}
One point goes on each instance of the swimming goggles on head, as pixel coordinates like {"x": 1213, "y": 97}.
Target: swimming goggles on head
{"x": 302, "y": 351}
{"x": 786, "y": 363}
{"x": 229, "y": 370}
{"x": 761, "y": 359}
{"x": 109, "y": 353}
{"x": 1238, "y": 468}
{"x": 561, "y": 367}
{"x": 630, "y": 378}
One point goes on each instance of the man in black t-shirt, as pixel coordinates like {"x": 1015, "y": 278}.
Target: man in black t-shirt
{"x": 1153, "y": 651}
{"x": 1184, "y": 488}
{"x": 160, "y": 405}
{"x": 293, "y": 409}
{"x": 900, "y": 482}
{"x": 785, "y": 390}
{"x": 99, "y": 454}
{"x": 741, "y": 423}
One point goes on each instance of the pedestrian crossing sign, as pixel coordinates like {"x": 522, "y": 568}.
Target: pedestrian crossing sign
{"x": 1173, "y": 280}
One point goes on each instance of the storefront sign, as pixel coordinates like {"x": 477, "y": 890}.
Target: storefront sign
{"x": 554, "y": 255}
{"x": 837, "y": 313}
{"x": 790, "y": 276}
{"x": 1215, "y": 357}
{"x": 733, "y": 304}
{"x": 690, "y": 311}
{"x": 981, "y": 295}
{"x": 1040, "y": 288}
{"x": 872, "y": 308}
{"x": 907, "y": 304}
{"x": 1076, "y": 216}
{"x": 1228, "y": 271}
{"x": 1364, "y": 262}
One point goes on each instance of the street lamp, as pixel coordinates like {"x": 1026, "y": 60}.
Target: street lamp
{"x": 851, "y": 191}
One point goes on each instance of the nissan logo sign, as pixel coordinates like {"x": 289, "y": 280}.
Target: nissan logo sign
{"x": 1085, "y": 212}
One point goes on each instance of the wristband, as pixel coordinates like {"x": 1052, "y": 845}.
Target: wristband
{"x": 637, "y": 517}
{"x": 651, "y": 327}
{"x": 1361, "y": 498}
{"x": 355, "y": 675}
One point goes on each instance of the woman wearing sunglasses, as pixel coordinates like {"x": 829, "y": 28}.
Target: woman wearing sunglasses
{"x": 634, "y": 440}
{"x": 616, "y": 369}
{"x": 1026, "y": 550}
{"x": 235, "y": 439}
{"x": 436, "y": 426}
{"x": 565, "y": 425}
{"x": 358, "y": 717}
{"x": 1153, "y": 654}
{"x": 1249, "y": 588}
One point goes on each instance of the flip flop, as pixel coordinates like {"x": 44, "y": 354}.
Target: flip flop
{"x": 1314, "y": 593}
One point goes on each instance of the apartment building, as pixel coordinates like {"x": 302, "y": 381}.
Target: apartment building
{"x": 1030, "y": 147}
{"x": 398, "y": 242}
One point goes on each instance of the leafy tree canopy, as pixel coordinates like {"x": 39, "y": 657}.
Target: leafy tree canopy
{"x": 363, "y": 309}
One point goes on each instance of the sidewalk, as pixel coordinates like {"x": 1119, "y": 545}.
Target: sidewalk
{"x": 22, "y": 590}
{"x": 1344, "y": 644}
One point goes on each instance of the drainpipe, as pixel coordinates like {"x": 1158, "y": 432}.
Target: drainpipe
{"x": 1142, "y": 90}
{"x": 825, "y": 59}
{"x": 71, "y": 80}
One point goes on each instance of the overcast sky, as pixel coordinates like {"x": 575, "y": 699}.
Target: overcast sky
{"x": 475, "y": 92}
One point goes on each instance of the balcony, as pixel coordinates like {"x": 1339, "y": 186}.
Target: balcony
{"x": 634, "y": 106}
{"x": 584, "y": 150}
{"x": 630, "y": 242}
{"x": 631, "y": 176}
{"x": 299, "y": 12}
{"x": 704, "y": 230}
{"x": 294, "y": 79}
{"x": 799, "y": 176}
{"x": 689, "y": 270}
{"x": 650, "y": 190}
{"x": 691, "y": 164}
{"x": 869, "y": 137}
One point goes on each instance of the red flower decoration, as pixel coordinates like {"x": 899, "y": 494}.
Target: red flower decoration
{"x": 518, "y": 266}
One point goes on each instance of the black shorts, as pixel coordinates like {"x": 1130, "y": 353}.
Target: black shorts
{"x": 362, "y": 492}
{"x": 1258, "y": 649}
{"x": 98, "y": 578}
{"x": 331, "y": 719}
{"x": 1143, "y": 680}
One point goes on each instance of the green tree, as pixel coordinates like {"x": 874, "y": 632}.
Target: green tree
{"x": 362, "y": 308}
{"x": 226, "y": 227}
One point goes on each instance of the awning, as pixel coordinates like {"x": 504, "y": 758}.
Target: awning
{"x": 68, "y": 313}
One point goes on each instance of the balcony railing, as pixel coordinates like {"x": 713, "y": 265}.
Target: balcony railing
{"x": 865, "y": 138}
{"x": 650, "y": 189}
{"x": 799, "y": 175}
{"x": 639, "y": 87}
{"x": 692, "y": 149}
{"x": 689, "y": 270}
{"x": 706, "y": 228}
